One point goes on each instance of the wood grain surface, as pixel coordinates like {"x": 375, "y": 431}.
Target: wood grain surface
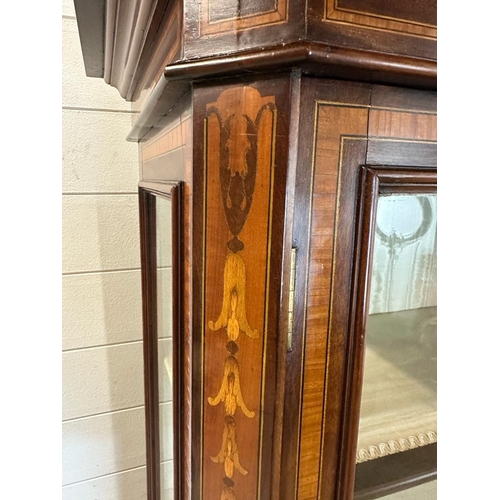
{"x": 231, "y": 16}
{"x": 235, "y": 107}
{"x": 389, "y": 26}
{"x": 218, "y": 27}
{"x": 234, "y": 387}
{"x": 417, "y": 17}
{"x": 337, "y": 117}
{"x": 168, "y": 155}
{"x": 333, "y": 122}
{"x": 263, "y": 421}
{"x": 314, "y": 232}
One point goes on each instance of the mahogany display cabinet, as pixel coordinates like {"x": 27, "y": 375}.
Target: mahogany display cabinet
{"x": 288, "y": 177}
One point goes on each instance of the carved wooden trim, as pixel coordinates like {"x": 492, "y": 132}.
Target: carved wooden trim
{"x": 162, "y": 47}
{"x": 395, "y": 446}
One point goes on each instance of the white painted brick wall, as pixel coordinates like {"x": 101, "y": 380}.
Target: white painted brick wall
{"x": 127, "y": 485}
{"x": 94, "y": 380}
{"x": 77, "y": 89}
{"x": 104, "y": 453}
{"x": 106, "y": 306}
{"x": 100, "y": 233}
{"x": 92, "y": 142}
{"x": 102, "y": 445}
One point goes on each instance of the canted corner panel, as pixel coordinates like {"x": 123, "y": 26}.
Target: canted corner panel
{"x": 240, "y": 130}
{"x": 335, "y": 123}
{"x": 229, "y": 16}
{"x": 398, "y": 17}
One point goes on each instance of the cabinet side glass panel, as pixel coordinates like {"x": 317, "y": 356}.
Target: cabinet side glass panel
{"x": 398, "y": 404}
{"x": 165, "y": 361}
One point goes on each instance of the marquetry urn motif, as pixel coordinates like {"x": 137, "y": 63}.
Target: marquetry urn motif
{"x": 240, "y": 127}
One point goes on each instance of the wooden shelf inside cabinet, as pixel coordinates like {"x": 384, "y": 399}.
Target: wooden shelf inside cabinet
{"x": 398, "y": 408}
{"x": 397, "y": 437}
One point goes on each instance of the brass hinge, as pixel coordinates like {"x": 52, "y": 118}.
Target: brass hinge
{"x": 291, "y": 295}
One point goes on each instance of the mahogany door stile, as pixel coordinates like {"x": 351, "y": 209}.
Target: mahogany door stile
{"x": 408, "y": 121}
{"x": 340, "y": 111}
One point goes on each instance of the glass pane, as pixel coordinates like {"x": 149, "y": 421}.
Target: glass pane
{"x": 398, "y": 405}
{"x": 164, "y": 290}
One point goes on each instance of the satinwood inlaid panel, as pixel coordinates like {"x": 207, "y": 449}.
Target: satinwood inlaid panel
{"x": 235, "y": 348}
{"x": 240, "y": 128}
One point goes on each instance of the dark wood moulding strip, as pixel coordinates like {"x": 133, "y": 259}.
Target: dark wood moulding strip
{"x": 311, "y": 58}
{"x": 394, "y": 473}
{"x": 179, "y": 356}
{"x": 147, "y": 214}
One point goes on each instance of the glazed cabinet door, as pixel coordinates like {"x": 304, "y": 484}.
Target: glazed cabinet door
{"x": 161, "y": 206}
{"x": 346, "y": 130}
{"x": 394, "y": 344}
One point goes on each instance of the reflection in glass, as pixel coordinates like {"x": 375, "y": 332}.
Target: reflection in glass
{"x": 398, "y": 405}
{"x": 164, "y": 291}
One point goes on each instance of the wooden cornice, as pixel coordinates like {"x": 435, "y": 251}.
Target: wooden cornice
{"x": 311, "y": 58}
{"x": 130, "y": 42}
{"x": 126, "y": 42}
{"x": 90, "y": 16}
